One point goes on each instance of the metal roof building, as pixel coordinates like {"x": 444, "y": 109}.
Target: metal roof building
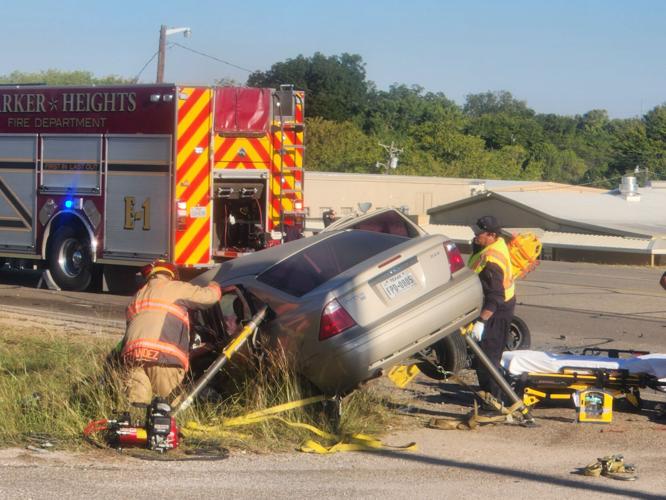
{"x": 625, "y": 226}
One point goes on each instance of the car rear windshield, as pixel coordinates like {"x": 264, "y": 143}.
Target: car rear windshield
{"x": 387, "y": 222}
{"x": 318, "y": 263}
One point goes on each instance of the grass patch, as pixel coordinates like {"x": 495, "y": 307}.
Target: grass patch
{"x": 273, "y": 383}
{"x": 53, "y": 384}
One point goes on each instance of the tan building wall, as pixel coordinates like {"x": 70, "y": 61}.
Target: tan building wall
{"x": 343, "y": 192}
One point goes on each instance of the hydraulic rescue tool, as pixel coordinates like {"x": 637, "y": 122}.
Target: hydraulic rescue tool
{"x": 497, "y": 376}
{"x": 230, "y": 350}
{"x": 160, "y": 432}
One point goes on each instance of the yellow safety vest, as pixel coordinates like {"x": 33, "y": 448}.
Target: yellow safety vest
{"x": 498, "y": 253}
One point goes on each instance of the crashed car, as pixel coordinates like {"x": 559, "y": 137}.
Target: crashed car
{"x": 350, "y": 302}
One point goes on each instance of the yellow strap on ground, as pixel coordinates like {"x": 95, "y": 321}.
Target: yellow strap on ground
{"x": 258, "y": 416}
{"x": 354, "y": 442}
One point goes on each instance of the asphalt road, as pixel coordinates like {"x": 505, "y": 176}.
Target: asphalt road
{"x": 571, "y": 305}
{"x": 565, "y": 305}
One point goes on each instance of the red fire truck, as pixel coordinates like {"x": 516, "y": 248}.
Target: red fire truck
{"x": 121, "y": 175}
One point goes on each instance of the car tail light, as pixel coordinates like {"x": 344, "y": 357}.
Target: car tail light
{"x": 456, "y": 262}
{"x": 334, "y": 320}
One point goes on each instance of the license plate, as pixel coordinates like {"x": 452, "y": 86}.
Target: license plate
{"x": 398, "y": 283}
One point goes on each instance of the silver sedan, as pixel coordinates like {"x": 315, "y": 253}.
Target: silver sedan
{"x": 353, "y": 301}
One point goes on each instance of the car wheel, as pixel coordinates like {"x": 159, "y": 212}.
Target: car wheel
{"x": 69, "y": 260}
{"x": 519, "y": 335}
{"x": 450, "y": 353}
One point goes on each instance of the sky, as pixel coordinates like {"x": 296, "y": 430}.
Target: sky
{"x": 563, "y": 57}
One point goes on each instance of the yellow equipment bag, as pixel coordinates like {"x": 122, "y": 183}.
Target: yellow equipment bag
{"x": 402, "y": 375}
{"x": 524, "y": 250}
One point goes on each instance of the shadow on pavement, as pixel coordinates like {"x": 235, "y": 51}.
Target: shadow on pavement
{"x": 522, "y": 475}
{"x": 25, "y": 277}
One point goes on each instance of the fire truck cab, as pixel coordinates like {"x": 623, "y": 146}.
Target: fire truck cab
{"x": 121, "y": 175}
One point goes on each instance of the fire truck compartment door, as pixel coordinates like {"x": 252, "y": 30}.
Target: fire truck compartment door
{"x": 242, "y": 110}
{"x": 71, "y": 164}
{"x": 18, "y": 172}
{"x": 138, "y": 190}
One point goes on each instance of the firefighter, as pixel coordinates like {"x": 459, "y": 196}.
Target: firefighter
{"x": 491, "y": 261}
{"x": 155, "y": 347}
{"x": 329, "y": 217}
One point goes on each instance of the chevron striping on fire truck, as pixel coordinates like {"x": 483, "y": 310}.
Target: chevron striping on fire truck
{"x": 121, "y": 175}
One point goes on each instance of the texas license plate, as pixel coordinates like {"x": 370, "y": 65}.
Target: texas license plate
{"x": 398, "y": 283}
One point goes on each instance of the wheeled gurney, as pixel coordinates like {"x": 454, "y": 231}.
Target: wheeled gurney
{"x": 543, "y": 376}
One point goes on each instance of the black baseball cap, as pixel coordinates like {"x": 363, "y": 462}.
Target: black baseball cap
{"x": 489, "y": 223}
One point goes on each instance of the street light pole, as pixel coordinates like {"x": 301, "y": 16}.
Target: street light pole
{"x": 161, "y": 49}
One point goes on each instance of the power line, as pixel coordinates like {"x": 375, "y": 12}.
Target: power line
{"x": 136, "y": 78}
{"x": 214, "y": 58}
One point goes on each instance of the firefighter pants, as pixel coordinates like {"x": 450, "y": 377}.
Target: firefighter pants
{"x": 493, "y": 344}
{"x": 144, "y": 382}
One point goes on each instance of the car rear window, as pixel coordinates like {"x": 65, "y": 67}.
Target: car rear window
{"x": 387, "y": 222}
{"x": 318, "y": 263}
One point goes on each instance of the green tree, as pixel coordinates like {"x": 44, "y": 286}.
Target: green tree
{"x": 458, "y": 154}
{"x": 402, "y": 107}
{"x": 500, "y": 101}
{"x": 505, "y": 163}
{"x": 632, "y": 147}
{"x": 335, "y": 86}
{"x": 594, "y": 120}
{"x": 59, "y": 77}
{"x": 655, "y": 132}
{"x": 339, "y": 147}
{"x": 559, "y": 165}
{"x": 504, "y": 129}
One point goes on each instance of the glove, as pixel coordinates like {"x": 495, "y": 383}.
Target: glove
{"x": 477, "y": 330}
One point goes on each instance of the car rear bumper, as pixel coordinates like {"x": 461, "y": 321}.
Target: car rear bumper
{"x": 359, "y": 358}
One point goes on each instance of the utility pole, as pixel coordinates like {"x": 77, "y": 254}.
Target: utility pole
{"x": 161, "y": 49}
{"x": 393, "y": 153}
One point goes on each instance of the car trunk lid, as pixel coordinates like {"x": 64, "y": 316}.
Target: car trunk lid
{"x": 403, "y": 275}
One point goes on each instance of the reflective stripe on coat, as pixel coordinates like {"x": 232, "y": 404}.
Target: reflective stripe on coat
{"x": 158, "y": 324}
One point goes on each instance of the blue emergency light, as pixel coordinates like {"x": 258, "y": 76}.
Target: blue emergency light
{"x": 74, "y": 203}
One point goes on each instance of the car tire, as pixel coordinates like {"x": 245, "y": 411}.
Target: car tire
{"x": 450, "y": 353}
{"x": 519, "y": 335}
{"x": 69, "y": 259}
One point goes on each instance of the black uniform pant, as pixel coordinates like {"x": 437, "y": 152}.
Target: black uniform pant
{"x": 493, "y": 344}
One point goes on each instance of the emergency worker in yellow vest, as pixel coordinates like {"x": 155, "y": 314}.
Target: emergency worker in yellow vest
{"x": 491, "y": 261}
{"x": 155, "y": 347}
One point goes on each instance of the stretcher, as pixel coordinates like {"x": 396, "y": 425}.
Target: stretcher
{"x": 587, "y": 378}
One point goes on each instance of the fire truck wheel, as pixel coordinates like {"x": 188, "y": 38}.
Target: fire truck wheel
{"x": 69, "y": 259}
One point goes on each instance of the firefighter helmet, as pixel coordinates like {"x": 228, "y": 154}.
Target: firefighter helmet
{"x": 160, "y": 266}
